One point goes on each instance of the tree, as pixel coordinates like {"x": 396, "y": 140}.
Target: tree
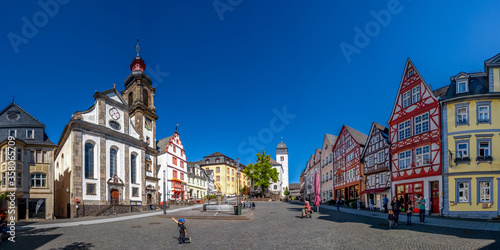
{"x": 262, "y": 173}
{"x": 286, "y": 192}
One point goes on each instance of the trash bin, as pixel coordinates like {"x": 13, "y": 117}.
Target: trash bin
{"x": 237, "y": 210}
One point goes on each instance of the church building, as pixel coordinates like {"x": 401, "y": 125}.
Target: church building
{"x": 106, "y": 154}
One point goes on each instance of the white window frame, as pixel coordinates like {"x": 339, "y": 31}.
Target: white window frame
{"x": 420, "y": 154}
{"x": 15, "y": 132}
{"x": 407, "y": 99}
{"x": 405, "y": 157}
{"x": 370, "y": 160}
{"x": 380, "y": 156}
{"x": 481, "y": 189}
{"x": 405, "y": 128}
{"x": 462, "y": 118}
{"x": 382, "y": 178}
{"x": 479, "y": 142}
{"x": 465, "y": 85}
{"x": 421, "y": 121}
{"x": 32, "y": 134}
{"x": 415, "y": 94}
{"x": 460, "y": 152}
{"x": 486, "y": 115}
{"x": 465, "y": 190}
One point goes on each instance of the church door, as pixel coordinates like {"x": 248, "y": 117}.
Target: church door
{"x": 115, "y": 196}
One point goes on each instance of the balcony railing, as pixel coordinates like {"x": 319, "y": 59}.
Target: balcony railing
{"x": 462, "y": 160}
{"x": 483, "y": 158}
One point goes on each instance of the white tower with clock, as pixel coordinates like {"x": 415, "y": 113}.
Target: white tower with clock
{"x": 282, "y": 158}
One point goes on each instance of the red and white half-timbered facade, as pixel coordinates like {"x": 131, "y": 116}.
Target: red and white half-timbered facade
{"x": 172, "y": 158}
{"x": 347, "y": 163}
{"x": 415, "y": 137}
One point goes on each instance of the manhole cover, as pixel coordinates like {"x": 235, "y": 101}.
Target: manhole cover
{"x": 154, "y": 223}
{"x": 136, "y": 226}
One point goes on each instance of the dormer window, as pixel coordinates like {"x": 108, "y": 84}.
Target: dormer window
{"x": 462, "y": 87}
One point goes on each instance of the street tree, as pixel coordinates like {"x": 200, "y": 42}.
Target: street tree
{"x": 262, "y": 173}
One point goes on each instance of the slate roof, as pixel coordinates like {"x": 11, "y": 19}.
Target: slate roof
{"x": 193, "y": 163}
{"x": 478, "y": 84}
{"x": 441, "y": 91}
{"x": 282, "y": 145}
{"x": 161, "y": 145}
{"x": 294, "y": 186}
{"x": 494, "y": 61}
{"x": 358, "y": 136}
{"x": 216, "y": 154}
{"x": 23, "y": 119}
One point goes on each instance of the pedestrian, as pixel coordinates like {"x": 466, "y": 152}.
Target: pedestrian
{"x": 371, "y": 204}
{"x": 358, "y": 203}
{"x": 421, "y": 208}
{"x": 396, "y": 208}
{"x": 337, "y": 202}
{"x": 182, "y": 230}
{"x": 253, "y": 205}
{"x": 385, "y": 201}
{"x": 409, "y": 212}
{"x": 391, "y": 219}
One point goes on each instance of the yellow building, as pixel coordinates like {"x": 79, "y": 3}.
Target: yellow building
{"x": 225, "y": 173}
{"x": 471, "y": 140}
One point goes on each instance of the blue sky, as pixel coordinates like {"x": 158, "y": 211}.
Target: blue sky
{"x": 221, "y": 73}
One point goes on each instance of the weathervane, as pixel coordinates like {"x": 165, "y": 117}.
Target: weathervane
{"x": 176, "y": 127}
{"x": 137, "y": 46}
{"x": 13, "y": 97}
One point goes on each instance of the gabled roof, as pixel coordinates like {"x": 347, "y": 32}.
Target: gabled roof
{"x": 494, "y": 61}
{"x": 383, "y": 130}
{"x": 161, "y": 145}
{"x": 216, "y": 154}
{"x": 358, "y": 136}
{"x": 331, "y": 138}
{"x": 273, "y": 162}
{"x": 109, "y": 93}
{"x": 25, "y": 118}
{"x": 441, "y": 91}
{"x": 409, "y": 64}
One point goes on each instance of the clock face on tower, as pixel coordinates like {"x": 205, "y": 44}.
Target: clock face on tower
{"x": 114, "y": 113}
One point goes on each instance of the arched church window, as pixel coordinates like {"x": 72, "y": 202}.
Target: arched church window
{"x": 112, "y": 162}
{"x": 89, "y": 160}
{"x": 133, "y": 168}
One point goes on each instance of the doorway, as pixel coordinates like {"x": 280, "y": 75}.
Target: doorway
{"x": 115, "y": 196}
{"x": 21, "y": 210}
{"x": 435, "y": 197}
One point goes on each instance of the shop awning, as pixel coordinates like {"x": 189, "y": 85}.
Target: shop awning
{"x": 375, "y": 190}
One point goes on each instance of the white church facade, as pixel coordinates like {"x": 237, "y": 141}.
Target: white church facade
{"x": 107, "y": 154}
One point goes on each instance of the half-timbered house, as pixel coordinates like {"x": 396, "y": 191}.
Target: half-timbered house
{"x": 347, "y": 163}
{"x": 376, "y": 159}
{"x": 415, "y": 137}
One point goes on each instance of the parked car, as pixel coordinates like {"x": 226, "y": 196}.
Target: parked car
{"x": 231, "y": 195}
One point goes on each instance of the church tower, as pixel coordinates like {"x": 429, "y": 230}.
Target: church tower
{"x": 282, "y": 158}
{"x": 139, "y": 94}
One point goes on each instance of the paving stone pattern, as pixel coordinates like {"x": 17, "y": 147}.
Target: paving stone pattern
{"x": 274, "y": 225}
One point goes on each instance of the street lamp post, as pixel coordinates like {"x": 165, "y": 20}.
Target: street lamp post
{"x": 164, "y": 194}
{"x": 69, "y": 202}
{"x": 238, "y": 184}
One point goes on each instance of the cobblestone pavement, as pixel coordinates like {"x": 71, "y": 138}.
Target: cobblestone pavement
{"x": 273, "y": 226}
